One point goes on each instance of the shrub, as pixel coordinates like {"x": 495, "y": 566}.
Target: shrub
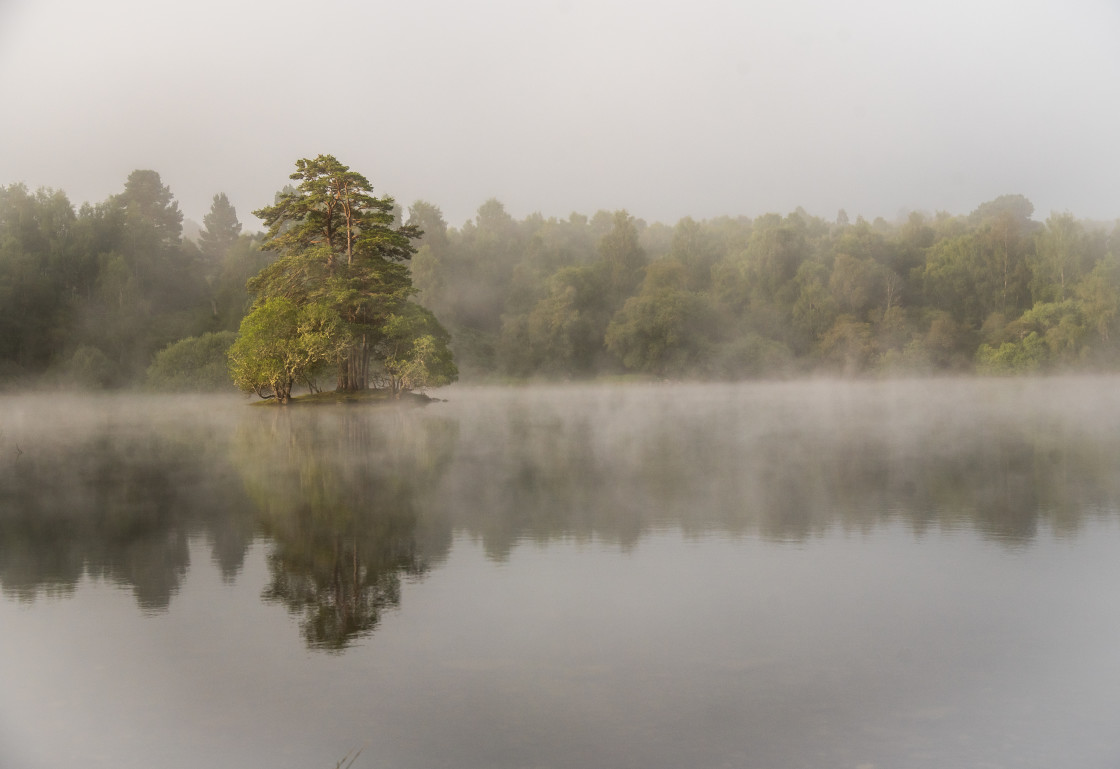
{"x": 199, "y": 363}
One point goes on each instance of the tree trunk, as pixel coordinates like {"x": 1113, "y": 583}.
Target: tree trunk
{"x": 365, "y": 363}
{"x": 352, "y": 370}
{"x": 283, "y": 392}
{"x": 342, "y": 377}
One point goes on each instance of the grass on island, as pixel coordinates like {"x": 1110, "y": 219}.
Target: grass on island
{"x": 371, "y": 397}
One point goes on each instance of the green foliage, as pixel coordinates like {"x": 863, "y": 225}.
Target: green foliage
{"x": 956, "y": 278}
{"x": 849, "y": 345}
{"x": 266, "y": 357}
{"x": 147, "y": 204}
{"x": 194, "y": 364}
{"x": 815, "y": 308}
{"x": 1060, "y": 324}
{"x": 776, "y": 251}
{"x": 664, "y": 330}
{"x": 221, "y": 229}
{"x": 88, "y": 369}
{"x": 43, "y": 271}
{"x": 1060, "y": 258}
{"x": 623, "y": 255}
{"x": 1099, "y": 298}
{"x": 697, "y": 249}
{"x": 230, "y": 299}
{"x": 281, "y": 343}
{"x": 749, "y": 355}
{"x": 477, "y": 278}
{"x": 1028, "y": 355}
{"x": 795, "y": 291}
{"x": 414, "y": 350}
{"x": 333, "y": 208}
{"x": 337, "y": 296}
{"x": 856, "y": 284}
{"x": 1015, "y": 206}
{"x": 558, "y": 297}
{"x": 563, "y": 333}
{"x": 946, "y": 342}
{"x": 115, "y": 278}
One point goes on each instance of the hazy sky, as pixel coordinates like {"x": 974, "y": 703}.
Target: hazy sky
{"x": 665, "y": 109}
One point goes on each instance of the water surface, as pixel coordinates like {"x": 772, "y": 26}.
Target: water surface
{"x": 798, "y": 575}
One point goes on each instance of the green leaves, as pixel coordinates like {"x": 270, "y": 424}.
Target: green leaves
{"x": 415, "y": 348}
{"x": 281, "y": 343}
{"x": 221, "y": 228}
{"x": 148, "y": 202}
{"x": 338, "y": 294}
{"x": 334, "y": 208}
{"x": 195, "y": 363}
{"x": 265, "y": 358}
{"x": 663, "y": 330}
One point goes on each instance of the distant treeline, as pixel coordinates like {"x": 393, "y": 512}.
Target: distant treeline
{"x": 89, "y": 297}
{"x": 731, "y": 298}
{"x": 113, "y": 295}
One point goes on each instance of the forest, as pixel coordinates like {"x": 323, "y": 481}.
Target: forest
{"x": 124, "y": 293}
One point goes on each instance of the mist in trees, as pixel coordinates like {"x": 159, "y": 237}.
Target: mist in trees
{"x": 994, "y": 291}
{"x": 112, "y": 295}
{"x": 89, "y": 297}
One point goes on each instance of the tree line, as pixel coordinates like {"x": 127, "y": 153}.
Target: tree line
{"x": 113, "y": 294}
{"x": 90, "y": 297}
{"x": 993, "y": 291}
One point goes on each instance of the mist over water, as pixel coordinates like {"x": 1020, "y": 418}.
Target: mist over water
{"x": 797, "y": 574}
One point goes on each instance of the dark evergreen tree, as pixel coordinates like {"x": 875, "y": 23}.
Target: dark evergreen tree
{"x": 221, "y": 229}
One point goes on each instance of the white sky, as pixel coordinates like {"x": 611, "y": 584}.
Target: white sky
{"x": 665, "y": 109}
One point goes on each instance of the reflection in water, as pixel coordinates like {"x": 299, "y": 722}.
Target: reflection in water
{"x": 587, "y": 576}
{"x": 105, "y": 491}
{"x": 353, "y": 500}
{"x": 341, "y": 498}
{"x": 785, "y": 462}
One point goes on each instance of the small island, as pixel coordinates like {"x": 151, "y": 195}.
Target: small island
{"x": 338, "y": 296}
{"x": 367, "y": 397}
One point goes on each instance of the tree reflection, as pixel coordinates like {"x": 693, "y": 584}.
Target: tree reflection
{"x": 116, "y": 492}
{"x": 108, "y": 497}
{"x": 354, "y": 500}
{"x": 341, "y": 496}
{"x": 778, "y": 467}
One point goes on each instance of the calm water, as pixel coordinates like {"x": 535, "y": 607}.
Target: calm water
{"x": 798, "y": 575}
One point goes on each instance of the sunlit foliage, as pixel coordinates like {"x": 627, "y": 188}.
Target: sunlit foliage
{"x": 89, "y": 297}
{"x": 338, "y": 295}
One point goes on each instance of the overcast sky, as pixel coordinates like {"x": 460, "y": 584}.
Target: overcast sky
{"x": 665, "y": 109}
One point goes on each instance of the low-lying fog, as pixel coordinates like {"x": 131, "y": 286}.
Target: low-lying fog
{"x": 796, "y": 532}
{"x": 781, "y": 460}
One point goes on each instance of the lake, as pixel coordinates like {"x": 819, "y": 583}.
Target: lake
{"x": 800, "y": 574}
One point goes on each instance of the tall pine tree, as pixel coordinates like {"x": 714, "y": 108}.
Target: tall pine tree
{"x": 342, "y": 262}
